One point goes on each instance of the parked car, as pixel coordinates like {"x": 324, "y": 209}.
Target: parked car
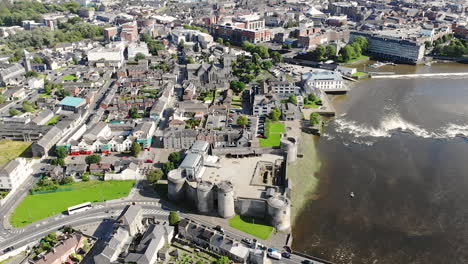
{"x": 149, "y": 161}
{"x": 306, "y": 261}
{"x": 286, "y": 255}
{"x": 247, "y": 241}
{"x": 274, "y": 254}
{"x": 219, "y": 228}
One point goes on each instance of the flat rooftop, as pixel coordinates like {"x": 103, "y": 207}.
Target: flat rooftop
{"x": 240, "y": 172}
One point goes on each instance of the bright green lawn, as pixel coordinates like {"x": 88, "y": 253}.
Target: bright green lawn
{"x": 39, "y": 206}
{"x": 356, "y": 59}
{"x": 251, "y": 226}
{"x": 277, "y": 128}
{"x": 69, "y": 77}
{"x": 358, "y": 74}
{"x": 44, "y": 95}
{"x": 10, "y": 149}
{"x": 53, "y": 120}
{"x": 273, "y": 137}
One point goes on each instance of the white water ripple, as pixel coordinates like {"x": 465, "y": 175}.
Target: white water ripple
{"x": 395, "y": 123}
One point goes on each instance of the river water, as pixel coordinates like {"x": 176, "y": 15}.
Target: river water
{"x": 399, "y": 145}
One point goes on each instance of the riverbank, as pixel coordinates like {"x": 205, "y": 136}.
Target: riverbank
{"x": 303, "y": 175}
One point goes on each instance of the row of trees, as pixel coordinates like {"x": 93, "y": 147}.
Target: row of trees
{"x": 43, "y": 37}
{"x": 12, "y": 14}
{"x": 456, "y": 48}
{"x": 354, "y": 50}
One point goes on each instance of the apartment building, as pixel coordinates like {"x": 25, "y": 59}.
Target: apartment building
{"x": 13, "y": 174}
{"x": 395, "y": 47}
{"x": 323, "y": 80}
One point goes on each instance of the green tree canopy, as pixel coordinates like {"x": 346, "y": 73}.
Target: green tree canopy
{"x": 135, "y": 149}
{"x": 154, "y": 176}
{"x": 28, "y": 106}
{"x": 275, "y": 114}
{"x": 14, "y": 112}
{"x": 242, "y": 120}
{"x": 61, "y": 152}
{"x": 93, "y": 159}
{"x": 173, "y": 218}
{"x": 175, "y": 157}
{"x": 237, "y": 86}
{"x": 140, "y": 56}
{"x": 292, "y": 99}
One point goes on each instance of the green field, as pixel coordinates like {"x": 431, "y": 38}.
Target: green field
{"x": 356, "y": 59}
{"x": 69, "y": 77}
{"x": 358, "y": 74}
{"x": 39, "y": 206}
{"x": 251, "y": 226}
{"x": 273, "y": 132}
{"x": 53, "y": 120}
{"x": 44, "y": 95}
{"x": 10, "y": 149}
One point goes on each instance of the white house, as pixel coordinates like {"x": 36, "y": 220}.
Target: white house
{"x": 13, "y": 174}
{"x": 323, "y": 80}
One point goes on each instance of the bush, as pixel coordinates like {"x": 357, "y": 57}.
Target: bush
{"x": 154, "y": 176}
{"x": 85, "y": 177}
{"x": 174, "y": 157}
{"x": 173, "y": 218}
{"x": 67, "y": 180}
{"x": 93, "y": 159}
{"x": 135, "y": 149}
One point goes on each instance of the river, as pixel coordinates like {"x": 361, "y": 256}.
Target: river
{"x": 400, "y": 146}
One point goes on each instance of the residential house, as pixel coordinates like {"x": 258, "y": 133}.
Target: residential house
{"x": 155, "y": 237}
{"x": 119, "y": 242}
{"x": 99, "y": 168}
{"x": 13, "y": 174}
{"x": 61, "y": 252}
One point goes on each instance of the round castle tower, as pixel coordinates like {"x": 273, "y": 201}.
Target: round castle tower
{"x": 175, "y": 187}
{"x": 205, "y": 197}
{"x": 279, "y": 210}
{"x": 226, "y": 199}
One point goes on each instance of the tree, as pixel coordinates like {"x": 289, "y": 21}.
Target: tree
{"x": 93, "y": 159}
{"x": 267, "y": 64}
{"x": 58, "y": 162}
{"x": 133, "y": 113}
{"x": 38, "y": 60}
{"x": 292, "y": 99}
{"x": 275, "y": 114}
{"x": 223, "y": 260}
{"x": 28, "y": 106}
{"x": 256, "y": 58}
{"x": 67, "y": 180}
{"x": 262, "y": 51}
{"x": 237, "y": 86}
{"x": 362, "y": 43}
{"x": 60, "y": 152}
{"x": 173, "y": 218}
{"x": 276, "y": 57}
{"x": 242, "y": 120}
{"x": 85, "y": 177}
{"x": 167, "y": 167}
{"x": 14, "y": 112}
{"x": 31, "y": 74}
{"x": 135, "y": 149}
{"x": 220, "y": 41}
{"x": 140, "y": 56}
{"x": 347, "y": 53}
{"x": 154, "y": 176}
{"x": 175, "y": 157}
{"x": 312, "y": 97}
{"x": 2, "y": 99}
{"x": 319, "y": 52}
{"x": 314, "y": 119}
{"x": 331, "y": 52}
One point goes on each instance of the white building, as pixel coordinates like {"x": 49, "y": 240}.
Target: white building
{"x": 135, "y": 48}
{"x": 330, "y": 81}
{"x": 13, "y": 174}
{"x": 111, "y": 55}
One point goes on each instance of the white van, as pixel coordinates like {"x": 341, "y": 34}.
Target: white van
{"x": 274, "y": 255}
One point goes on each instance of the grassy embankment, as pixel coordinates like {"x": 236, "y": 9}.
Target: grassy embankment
{"x": 10, "y": 149}
{"x": 39, "y": 206}
{"x": 302, "y": 173}
{"x": 251, "y": 226}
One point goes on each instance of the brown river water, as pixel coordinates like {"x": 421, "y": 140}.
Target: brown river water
{"x": 400, "y": 145}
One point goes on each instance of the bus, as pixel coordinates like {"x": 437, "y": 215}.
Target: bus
{"x": 79, "y": 208}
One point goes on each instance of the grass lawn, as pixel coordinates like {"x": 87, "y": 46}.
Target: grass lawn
{"x": 53, "y": 120}
{"x": 358, "y": 74}
{"x": 251, "y": 226}
{"x": 39, "y": 206}
{"x": 277, "y": 128}
{"x": 44, "y": 95}
{"x": 312, "y": 104}
{"x": 273, "y": 136}
{"x": 69, "y": 77}
{"x": 10, "y": 149}
{"x": 356, "y": 59}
